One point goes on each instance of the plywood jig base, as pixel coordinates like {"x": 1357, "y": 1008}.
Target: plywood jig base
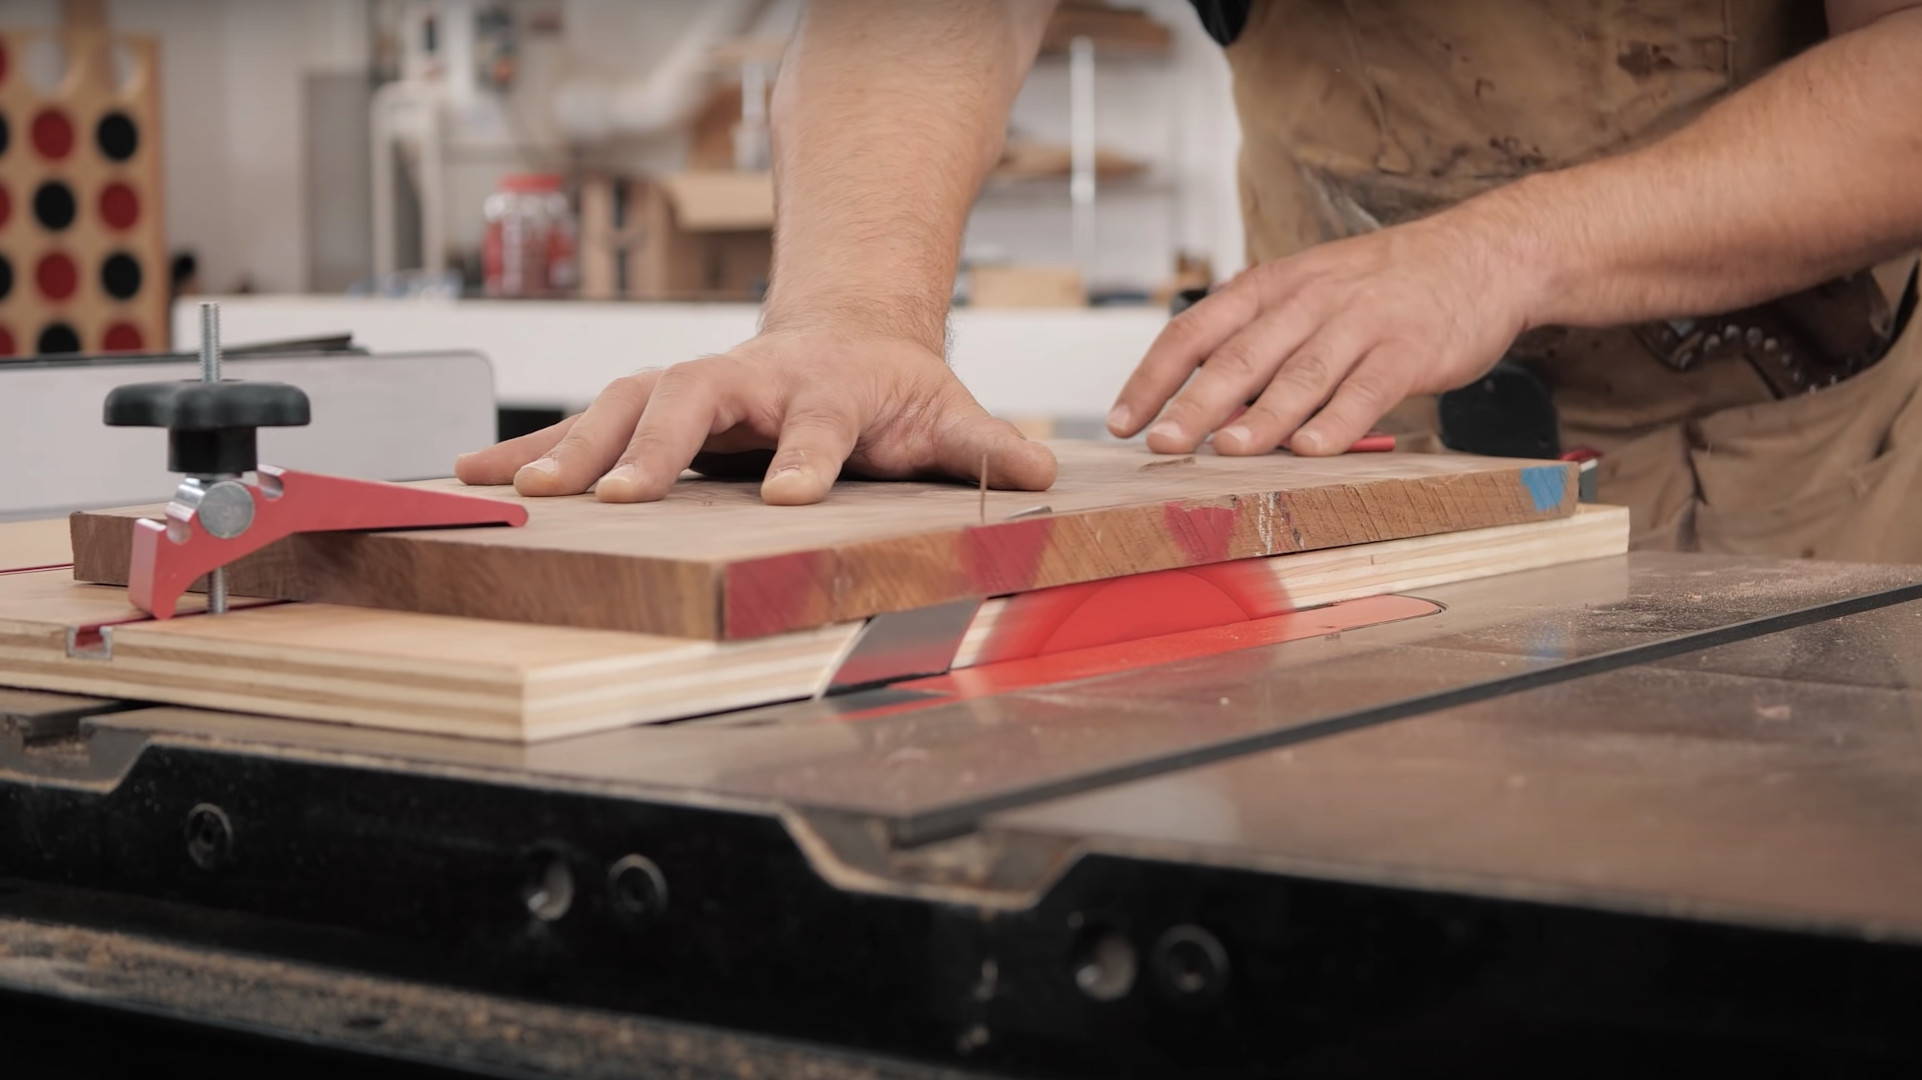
{"x": 34, "y": 545}
{"x": 491, "y": 679}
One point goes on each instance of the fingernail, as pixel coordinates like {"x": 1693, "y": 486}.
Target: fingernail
{"x": 1306, "y": 440}
{"x": 1237, "y": 434}
{"x": 789, "y": 485}
{"x": 1118, "y": 418}
{"x": 461, "y": 459}
{"x": 620, "y": 484}
{"x": 546, "y": 466}
{"x": 1167, "y": 429}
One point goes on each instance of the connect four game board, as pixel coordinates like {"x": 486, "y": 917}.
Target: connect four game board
{"x": 82, "y": 256}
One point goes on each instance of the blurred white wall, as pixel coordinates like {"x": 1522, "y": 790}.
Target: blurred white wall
{"x": 1176, "y": 112}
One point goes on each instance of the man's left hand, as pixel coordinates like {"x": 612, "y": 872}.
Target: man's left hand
{"x": 1325, "y": 342}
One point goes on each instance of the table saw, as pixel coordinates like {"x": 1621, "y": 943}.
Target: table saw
{"x": 1638, "y": 811}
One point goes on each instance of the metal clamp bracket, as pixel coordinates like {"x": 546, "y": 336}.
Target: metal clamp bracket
{"x": 168, "y": 557}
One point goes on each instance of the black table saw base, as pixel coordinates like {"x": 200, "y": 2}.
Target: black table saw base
{"x": 1125, "y": 967}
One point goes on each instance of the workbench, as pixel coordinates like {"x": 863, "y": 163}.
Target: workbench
{"x": 1647, "y": 812}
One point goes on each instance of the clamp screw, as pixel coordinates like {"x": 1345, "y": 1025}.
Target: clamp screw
{"x": 210, "y": 342}
{"x": 210, "y": 373}
{"x": 211, "y": 426}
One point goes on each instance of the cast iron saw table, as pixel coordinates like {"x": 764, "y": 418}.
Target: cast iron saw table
{"x": 1628, "y": 813}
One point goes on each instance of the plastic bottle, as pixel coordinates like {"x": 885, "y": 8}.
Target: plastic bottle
{"x": 530, "y": 244}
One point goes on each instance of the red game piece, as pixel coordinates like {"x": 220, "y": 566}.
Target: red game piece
{"x": 119, "y": 206}
{"x": 56, "y": 276}
{"x": 52, "y": 134}
{"x": 122, "y": 337}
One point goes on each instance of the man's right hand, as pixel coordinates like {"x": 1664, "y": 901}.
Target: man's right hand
{"x": 886, "y": 117}
{"x": 884, "y": 406}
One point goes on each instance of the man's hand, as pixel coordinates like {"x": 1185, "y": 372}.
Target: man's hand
{"x": 886, "y": 117}
{"x": 1804, "y": 174}
{"x": 1326, "y": 342}
{"x": 885, "y": 406}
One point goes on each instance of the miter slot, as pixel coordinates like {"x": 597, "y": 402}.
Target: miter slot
{"x": 90, "y": 642}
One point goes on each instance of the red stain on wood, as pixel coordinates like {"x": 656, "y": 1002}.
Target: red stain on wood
{"x": 1002, "y": 558}
{"x": 1202, "y": 532}
{"x": 771, "y": 595}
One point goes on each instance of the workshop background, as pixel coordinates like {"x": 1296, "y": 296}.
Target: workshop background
{"x": 1194, "y": 765}
{"x": 417, "y": 172}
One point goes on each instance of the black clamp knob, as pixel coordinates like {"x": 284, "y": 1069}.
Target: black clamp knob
{"x": 210, "y": 425}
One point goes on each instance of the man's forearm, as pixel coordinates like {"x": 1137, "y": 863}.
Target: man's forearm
{"x": 1811, "y": 171}
{"x": 887, "y": 117}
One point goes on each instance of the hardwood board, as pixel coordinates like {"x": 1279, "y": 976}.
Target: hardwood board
{"x": 518, "y": 681}
{"x": 711, "y": 562}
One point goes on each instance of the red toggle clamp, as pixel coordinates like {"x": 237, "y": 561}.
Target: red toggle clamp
{"x": 169, "y": 557}
{"x": 217, "y": 515}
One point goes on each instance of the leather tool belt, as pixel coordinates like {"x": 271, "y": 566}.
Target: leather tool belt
{"x": 1798, "y": 343}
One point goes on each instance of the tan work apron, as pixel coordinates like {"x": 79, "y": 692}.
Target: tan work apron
{"x": 1362, "y": 113}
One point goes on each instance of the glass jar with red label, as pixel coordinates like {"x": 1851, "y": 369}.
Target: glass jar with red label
{"x": 530, "y": 244}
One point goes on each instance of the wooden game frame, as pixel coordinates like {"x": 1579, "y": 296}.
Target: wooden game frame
{"x": 104, "y": 190}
